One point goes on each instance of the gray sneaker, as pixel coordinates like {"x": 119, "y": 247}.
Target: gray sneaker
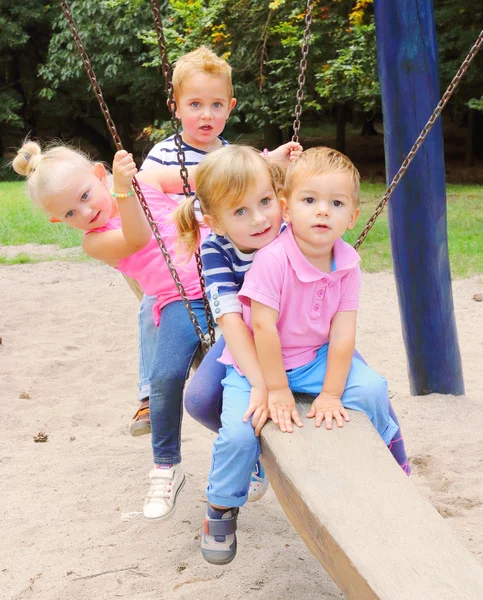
{"x": 218, "y": 542}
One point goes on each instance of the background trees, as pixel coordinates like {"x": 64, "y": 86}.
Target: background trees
{"x": 44, "y": 90}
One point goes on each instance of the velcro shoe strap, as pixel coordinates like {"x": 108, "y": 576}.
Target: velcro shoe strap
{"x": 220, "y": 526}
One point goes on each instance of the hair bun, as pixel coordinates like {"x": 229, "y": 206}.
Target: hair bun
{"x": 27, "y": 158}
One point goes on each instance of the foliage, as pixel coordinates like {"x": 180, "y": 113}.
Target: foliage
{"x": 19, "y": 56}
{"x": 352, "y": 77}
{"x": 261, "y": 40}
{"x": 458, "y": 26}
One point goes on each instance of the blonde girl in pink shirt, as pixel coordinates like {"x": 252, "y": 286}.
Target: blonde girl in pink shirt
{"x": 300, "y": 298}
{"x": 71, "y": 188}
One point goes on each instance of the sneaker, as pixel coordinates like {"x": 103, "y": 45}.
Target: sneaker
{"x": 218, "y": 542}
{"x": 165, "y": 487}
{"x": 141, "y": 423}
{"x": 258, "y": 483}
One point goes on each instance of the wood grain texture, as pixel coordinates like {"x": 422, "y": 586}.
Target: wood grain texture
{"x": 361, "y": 516}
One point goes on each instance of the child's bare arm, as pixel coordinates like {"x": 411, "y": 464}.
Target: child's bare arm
{"x": 280, "y": 398}
{"x": 328, "y": 405}
{"x": 167, "y": 178}
{"x": 135, "y": 233}
{"x": 242, "y": 347}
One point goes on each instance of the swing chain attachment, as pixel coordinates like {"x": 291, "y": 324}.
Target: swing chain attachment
{"x": 303, "y": 69}
{"x": 205, "y": 344}
{"x": 419, "y": 142}
{"x": 175, "y": 123}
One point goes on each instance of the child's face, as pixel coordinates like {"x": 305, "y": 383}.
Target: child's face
{"x": 321, "y": 208}
{"x": 204, "y": 106}
{"x": 254, "y": 222}
{"x": 85, "y": 203}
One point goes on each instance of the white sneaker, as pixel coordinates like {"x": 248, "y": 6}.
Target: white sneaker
{"x": 258, "y": 483}
{"x": 165, "y": 486}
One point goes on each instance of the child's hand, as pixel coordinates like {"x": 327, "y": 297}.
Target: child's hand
{"x": 258, "y": 407}
{"x": 327, "y": 407}
{"x": 281, "y": 405}
{"x": 289, "y": 151}
{"x": 123, "y": 170}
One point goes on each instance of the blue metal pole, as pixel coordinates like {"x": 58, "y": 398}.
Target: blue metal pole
{"x": 409, "y": 77}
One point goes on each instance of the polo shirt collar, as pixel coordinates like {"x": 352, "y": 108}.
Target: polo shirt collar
{"x": 345, "y": 258}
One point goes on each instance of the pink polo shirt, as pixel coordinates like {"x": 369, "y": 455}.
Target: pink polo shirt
{"x": 306, "y": 299}
{"x": 148, "y": 266}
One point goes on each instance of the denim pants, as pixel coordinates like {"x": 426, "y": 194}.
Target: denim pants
{"x": 146, "y": 344}
{"x": 176, "y": 345}
{"x": 236, "y": 448}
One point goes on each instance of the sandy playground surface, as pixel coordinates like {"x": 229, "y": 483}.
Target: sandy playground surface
{"x": 70, "y": 507}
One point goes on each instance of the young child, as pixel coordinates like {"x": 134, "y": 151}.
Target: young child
{"x": 72, "y": 189}
{"x": 203, "y": 92}
{"x": 301, "y": 298}
{"x": 237, "y": 189}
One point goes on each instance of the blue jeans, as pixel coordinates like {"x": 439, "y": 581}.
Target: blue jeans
{"x": 236, "y": 448}
{"x": 176, "y": 345}
{"x": 146, "y": 343}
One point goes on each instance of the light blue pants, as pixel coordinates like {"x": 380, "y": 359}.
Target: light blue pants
{"x": 236, "y": 448}
{"x": 147, "y": 343}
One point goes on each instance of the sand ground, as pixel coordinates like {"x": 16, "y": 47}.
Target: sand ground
{"x": 70, "y": 507}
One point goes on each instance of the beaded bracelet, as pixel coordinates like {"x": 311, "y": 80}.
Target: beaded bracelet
{"x": 116, "y": 195}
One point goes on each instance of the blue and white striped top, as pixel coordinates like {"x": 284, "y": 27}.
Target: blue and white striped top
{"x": 165, "y": 153}
{"x": 224, "y": 268}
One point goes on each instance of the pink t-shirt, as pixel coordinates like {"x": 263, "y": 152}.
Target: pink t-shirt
{"x": 148, "y": 266}
{"x": 306, "y": 299}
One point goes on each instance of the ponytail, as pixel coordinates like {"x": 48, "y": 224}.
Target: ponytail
{"x": 188, "y": 229}
{"x": 27, "y": 159}
{"x": 48, "y": 170}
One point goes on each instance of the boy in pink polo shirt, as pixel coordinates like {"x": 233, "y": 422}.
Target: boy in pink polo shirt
{"x": 300, "y": 297}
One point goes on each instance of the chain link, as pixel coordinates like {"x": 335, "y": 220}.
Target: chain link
{"x": 205, "y": 344}
{"x": 303, "y": 69}
{"x": 422, "y": 136}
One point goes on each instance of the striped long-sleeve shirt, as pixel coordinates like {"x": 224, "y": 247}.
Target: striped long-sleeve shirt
{"x": 224, "y": 268}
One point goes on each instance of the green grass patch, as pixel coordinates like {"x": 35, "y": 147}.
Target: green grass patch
{"x": 22, "y": 223}
{"x": 465, "y": 230}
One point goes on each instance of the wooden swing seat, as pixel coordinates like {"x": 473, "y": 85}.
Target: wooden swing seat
{"x": 361, "y": 516}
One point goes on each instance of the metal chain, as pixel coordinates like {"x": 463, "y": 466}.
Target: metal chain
{"x": 117, "y": 141}
{"x": 175, "y": 122}
{"x": 303, "y": 68}
{"x": 422, "y": 136}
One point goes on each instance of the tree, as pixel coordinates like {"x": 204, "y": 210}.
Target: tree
{"x": 113, "y": 34}
{"x": 24, "y": 34}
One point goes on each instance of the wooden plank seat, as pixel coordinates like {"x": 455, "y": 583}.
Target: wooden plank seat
{"x": 361, "y": 516}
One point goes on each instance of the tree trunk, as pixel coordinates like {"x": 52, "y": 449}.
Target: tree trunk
{"x": 470, "y": 139}
{"x": 340, "y": 121}
{"x": 272, "y": 136}
{"x": 368, "y": 128}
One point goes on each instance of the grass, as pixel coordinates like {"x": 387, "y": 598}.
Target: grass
{"x": 21, "y": 223}
{"x": 465, "y": 230}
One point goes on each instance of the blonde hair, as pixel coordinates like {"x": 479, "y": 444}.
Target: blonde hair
{"x": 318, "y": 161}
{"x": 222, "y": 179}
{"x": 202, "y": 60}
{"x": 48, "y": 171}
